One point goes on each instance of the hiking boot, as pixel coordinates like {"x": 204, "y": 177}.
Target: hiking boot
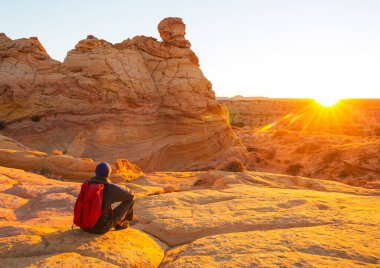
{"x": 121, "y": 226}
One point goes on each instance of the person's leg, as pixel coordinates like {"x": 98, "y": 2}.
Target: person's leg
{"x": 123, "y": 213}
{"x": 103, "y": 225}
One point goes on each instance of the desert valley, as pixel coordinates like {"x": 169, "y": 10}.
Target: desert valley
{"x": 302, "y": 137}
{"x": 218, "y": 182}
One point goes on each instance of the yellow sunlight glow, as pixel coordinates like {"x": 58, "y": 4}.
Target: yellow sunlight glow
{"x": 327, "y": 101}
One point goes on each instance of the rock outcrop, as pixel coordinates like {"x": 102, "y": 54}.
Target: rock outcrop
{"x": 60, "y": 166}
{"x": 319, "y": 246}
{"x": 64, "y": 167}
{"x": 35, "y": 229}
{"x": 230, "y": 203}
{"x": 224, "y": 219}
{"x": 143, "y": 100}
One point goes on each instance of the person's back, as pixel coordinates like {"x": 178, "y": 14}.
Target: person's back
{"x": 112, "y": 193}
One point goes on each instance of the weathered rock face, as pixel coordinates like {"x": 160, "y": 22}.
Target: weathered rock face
{"x": 141, "y": 99}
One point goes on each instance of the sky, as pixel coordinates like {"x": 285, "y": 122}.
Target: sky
{"x": 272, "y": 48}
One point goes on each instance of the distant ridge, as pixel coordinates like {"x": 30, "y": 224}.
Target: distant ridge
{"x": 240, "y": 97}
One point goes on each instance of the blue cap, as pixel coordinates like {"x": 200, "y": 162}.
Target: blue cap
{"x": 103, "y": 170}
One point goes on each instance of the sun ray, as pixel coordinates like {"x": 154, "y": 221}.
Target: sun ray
{"x": 318, "y": 120}
{"x": 337, "y": 118}
{"x": 267, "y": 127}
{"x": 315, "y": 117}
{"x": 294, "y": 119}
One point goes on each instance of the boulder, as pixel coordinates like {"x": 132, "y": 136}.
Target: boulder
{"x": 172, "y": 31}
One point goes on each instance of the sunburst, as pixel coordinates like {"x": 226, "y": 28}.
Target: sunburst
{"x": 327, "y": 101}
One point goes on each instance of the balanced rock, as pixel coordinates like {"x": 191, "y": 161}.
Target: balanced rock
{"x": 172, "y": 31}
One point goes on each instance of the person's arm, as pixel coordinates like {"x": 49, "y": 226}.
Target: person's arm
{"x": 120, "y": 194}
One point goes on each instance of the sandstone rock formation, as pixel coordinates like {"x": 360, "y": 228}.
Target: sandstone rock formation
{"x": 143, "y": 100}
{"x": 172, "y": 31}
{"x": 58, "y": 165}
{"x": 238, "y": 203}
{"x": 64, "y": 167}
{"x": 319, "y": 246}
{"x": 8, "y": 143}
{"x": 260, "y": 219}
{"x": 213, "y": 219}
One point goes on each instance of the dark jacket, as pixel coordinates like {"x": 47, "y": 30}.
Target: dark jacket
{"x": 112, "y": 193}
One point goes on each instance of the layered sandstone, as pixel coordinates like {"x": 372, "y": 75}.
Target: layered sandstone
{"x": 142, "y": 99}
{"x": 8, "y": 143}
{"x": 60, "y": 166}
{"x": 64, "y": 167}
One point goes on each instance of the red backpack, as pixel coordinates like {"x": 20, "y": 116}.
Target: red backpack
{"x": 88, "y": 207}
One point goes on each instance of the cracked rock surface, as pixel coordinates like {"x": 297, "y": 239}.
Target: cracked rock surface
{"x": 195, "y": 219}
